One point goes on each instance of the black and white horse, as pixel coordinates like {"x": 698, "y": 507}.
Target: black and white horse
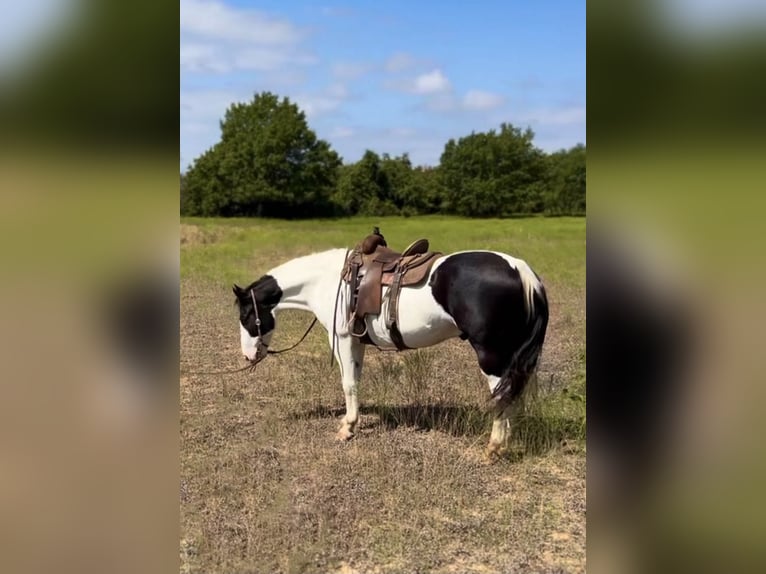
{"x": 493, "y": 300}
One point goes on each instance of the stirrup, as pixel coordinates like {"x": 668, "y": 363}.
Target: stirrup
{"x": 350, "y": 327}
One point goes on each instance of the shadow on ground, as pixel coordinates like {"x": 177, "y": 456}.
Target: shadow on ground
{"x": 533, "y": 433}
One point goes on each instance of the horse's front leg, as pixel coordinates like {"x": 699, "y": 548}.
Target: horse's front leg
{"x": 349, "y": 353}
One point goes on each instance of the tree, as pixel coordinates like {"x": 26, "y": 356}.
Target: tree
{"x": 385, "y": 185}
{"x": 184, "y": 195}
{"x": 493, "y": 174}
{"x": 567, "y": 182}
{"x": 205, "y": 191}
{"x": 364, "y": 188}
{"x": 268, "y": 163}
{"x": 426, "y": 193}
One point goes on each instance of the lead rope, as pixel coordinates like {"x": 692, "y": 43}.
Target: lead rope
{"x": 290, "y": 348}
{"x": 195, "y": 373}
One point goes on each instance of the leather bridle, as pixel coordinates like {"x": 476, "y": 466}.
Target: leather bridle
{"x": 263, "y": 345}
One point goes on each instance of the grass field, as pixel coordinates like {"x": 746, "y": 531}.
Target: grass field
{"x": 266, "y": 488}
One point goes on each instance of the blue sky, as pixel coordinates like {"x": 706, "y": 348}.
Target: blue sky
{"x": 390, "y": 76}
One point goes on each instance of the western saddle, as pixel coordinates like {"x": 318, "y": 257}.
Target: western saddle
{"x": 369, "y": 267}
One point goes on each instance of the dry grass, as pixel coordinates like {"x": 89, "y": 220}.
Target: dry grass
{"x": 265, "y": 488}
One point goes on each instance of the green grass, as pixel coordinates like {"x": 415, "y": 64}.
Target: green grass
{"x": 265, "y": 488}
{"x": 240, "y": 249}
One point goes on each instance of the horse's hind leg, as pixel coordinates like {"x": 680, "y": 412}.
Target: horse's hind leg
{"x": 501, "y": 425}
{"x": 349, "y": 353}
{"x": 493, "y": 363}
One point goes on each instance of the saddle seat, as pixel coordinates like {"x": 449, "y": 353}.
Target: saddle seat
{"x": 372, "y": 265}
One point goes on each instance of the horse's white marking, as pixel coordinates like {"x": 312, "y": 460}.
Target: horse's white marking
{"x": 493, "y": 381}
{"x": 422, "y": 321}
{"x": 501, "y": 424}
{"x": 249, "y": 344}
{"x": 528, "y": 279}
{"x": 501, "y": 427}
{"x": 350, "y": 351}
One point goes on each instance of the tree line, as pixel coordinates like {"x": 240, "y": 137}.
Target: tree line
{"x": 269, "y": 163}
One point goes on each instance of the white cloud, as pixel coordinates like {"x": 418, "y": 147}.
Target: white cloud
{"x": 472, "y": 101}
{"x": 314, "y": 105}
{"x": 479, "y": 100}
{"x": 432, "y": 82}
{"x": 213, "y": 19}
{"x": 201, "y": 111}
{"x": 323, "y": 102}
{"x": 202, "y": 58}
{"x": 220, "y": 59}
{"x": 216, "y": 38}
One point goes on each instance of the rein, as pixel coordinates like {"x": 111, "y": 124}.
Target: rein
{"x": 290, "y": 348}
{"x": 253, "y": 364}
{"x": 260, "y": 338}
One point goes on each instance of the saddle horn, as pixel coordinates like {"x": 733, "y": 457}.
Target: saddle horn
{"x": 372, "y": 241}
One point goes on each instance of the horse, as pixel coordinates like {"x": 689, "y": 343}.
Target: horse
{"x": 491, "y": 299}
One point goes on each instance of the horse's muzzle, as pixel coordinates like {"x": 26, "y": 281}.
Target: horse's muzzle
{"x": 260, "y": 353}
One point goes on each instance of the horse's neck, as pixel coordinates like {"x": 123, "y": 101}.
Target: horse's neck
{"x": 301, "y": 278}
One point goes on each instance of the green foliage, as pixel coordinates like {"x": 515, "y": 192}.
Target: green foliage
{"x": 567, "y": 182}
{"x": 268, "y": 163}
{"x": 413, "y": 190}
{"x": 426, "y": 193}
{"x": 364, "y": 188}
{"x": 494, "y": 174}
{"x": 387, "y": 186}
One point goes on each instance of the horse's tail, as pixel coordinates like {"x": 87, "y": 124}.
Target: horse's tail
{"x": 524, "y": 359}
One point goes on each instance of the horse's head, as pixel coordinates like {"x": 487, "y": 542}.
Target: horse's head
{"x": 256, "y": 315}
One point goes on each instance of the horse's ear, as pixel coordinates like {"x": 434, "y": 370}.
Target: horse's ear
{"x": 237, "y": 290}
